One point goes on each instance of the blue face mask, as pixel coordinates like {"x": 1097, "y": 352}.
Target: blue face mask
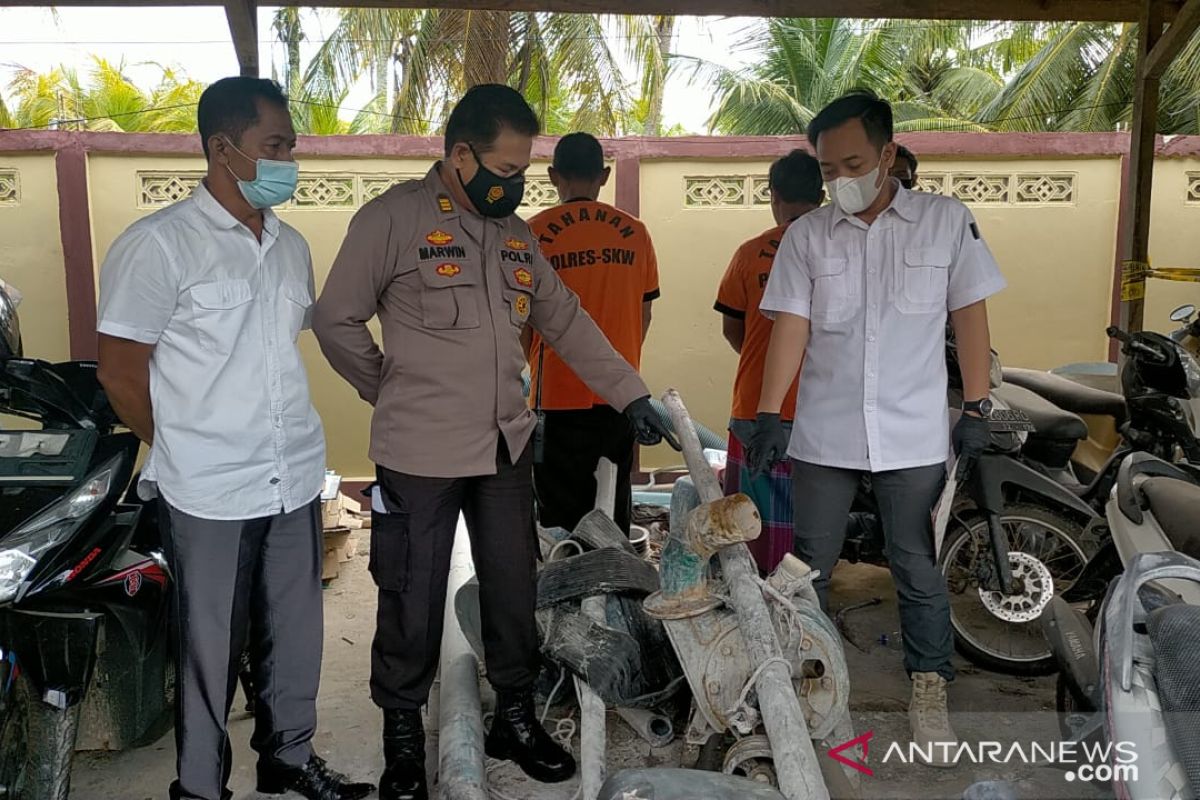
{"x": 274, "y": 181}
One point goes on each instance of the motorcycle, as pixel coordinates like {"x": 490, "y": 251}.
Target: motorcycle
{"x": 84, "y": 656}
{"x": 1128, "y": 667}
{"x": 1014, "y": 538}
{"x": 1085, "y": 451}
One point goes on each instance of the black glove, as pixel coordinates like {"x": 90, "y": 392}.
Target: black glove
{"x": 971, "y": 437}
{"x": 647, "y": 426}
{"x": 767, "y": 446}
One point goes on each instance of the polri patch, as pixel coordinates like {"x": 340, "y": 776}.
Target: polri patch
{"x": 448, "y": 270}
{"x": 495, "y": 194}
{"x": 521, "y": 304}
{"x": 439, "y": 238}
{"x": 516, "y": 244}
{"x": 444, "y": 204}
{"x": 524, "y": 277}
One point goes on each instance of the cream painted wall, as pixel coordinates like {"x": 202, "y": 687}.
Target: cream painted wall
{"x": 31, "y": 256}
{"x": 1174, "y": 241}
{"x": 1058, "y": 260}
{"x": 347, "y": 418}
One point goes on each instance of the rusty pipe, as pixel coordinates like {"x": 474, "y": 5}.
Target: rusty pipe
{"x": 796, "y": 763}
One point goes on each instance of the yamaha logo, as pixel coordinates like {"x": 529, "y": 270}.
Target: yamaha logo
{"x": 133, "y": 583}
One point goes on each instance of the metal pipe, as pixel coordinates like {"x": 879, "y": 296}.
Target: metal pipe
{"x": 656, "y": 729}
{"x": 593, "y": 733}
{"x": 461, "y": 769}
{"x": 796, "y": 763}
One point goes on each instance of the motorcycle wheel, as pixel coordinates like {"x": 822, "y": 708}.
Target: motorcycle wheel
{"x": 37, "y": 745}
{"x": 1000, "y": 633}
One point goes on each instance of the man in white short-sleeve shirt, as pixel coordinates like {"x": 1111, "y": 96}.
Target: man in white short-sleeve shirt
{"x": 201, "y": 305}
{"x": 861, "y": 289}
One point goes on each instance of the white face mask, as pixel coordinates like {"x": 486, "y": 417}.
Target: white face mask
{"x": 855, "y": 195}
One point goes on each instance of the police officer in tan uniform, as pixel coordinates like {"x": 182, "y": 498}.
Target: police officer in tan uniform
{"x": 454, "y": 276}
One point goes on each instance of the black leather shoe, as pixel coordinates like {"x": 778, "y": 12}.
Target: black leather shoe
{"x": 516, "y": 735}
{"x": 403, "y": 756}
{"x": 315, "y": 780}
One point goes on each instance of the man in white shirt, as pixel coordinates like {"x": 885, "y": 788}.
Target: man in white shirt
{"x": 861, "y": 289}
{"x": 200, "y": 308}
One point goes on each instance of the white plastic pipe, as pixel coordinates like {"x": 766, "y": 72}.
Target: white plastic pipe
{"x": 795, "y": 760}
{"x": 593, "y": 733}
{"x": 461, "y": 769}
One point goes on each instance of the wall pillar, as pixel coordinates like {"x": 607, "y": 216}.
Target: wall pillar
{"x": 75, "y": 227}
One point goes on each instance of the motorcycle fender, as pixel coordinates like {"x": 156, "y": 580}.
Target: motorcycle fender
{"x": 1070, "y": 637}
{"x": 996, "y": 472}
{"x": 56, "y": 651}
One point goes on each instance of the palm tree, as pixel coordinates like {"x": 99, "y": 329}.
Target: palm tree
{"x": 803, "y": 64}
{"x": 420, "y": 62}
{"x": 107, "y": 100}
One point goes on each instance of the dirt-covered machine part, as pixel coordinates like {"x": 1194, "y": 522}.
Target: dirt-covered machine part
{"x": 723, "y": 666}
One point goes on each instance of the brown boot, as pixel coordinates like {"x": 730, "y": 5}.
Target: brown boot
{"x": 930, "y": 721}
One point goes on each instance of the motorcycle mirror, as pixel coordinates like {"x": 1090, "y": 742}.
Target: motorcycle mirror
{"x": 1183, "y": 313}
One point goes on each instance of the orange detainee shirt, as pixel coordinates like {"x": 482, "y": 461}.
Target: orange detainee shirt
{"x": 740, "y": 293}
{"x": 606, "y": 257}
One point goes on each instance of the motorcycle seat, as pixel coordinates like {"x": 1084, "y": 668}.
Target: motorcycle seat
{"x": 1175, "y": 505}
{"x": 1050, "y": 421}
{"x": 1067, "y": 394}
{"x": 1173, "y": 631}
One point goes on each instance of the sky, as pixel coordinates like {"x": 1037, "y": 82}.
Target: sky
{"x": 196, "y": 41}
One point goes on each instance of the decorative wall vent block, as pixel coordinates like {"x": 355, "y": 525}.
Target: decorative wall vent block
{"x": 10, "y": 187}
{"x": 1044, "y": 188}
{"x": 539, "y": 193}
{"x": 711, "y": 191}
{"x": 158, "y": 189}
{"x": 1193, "y": 187}
{"x": 932, "y": 182}
{"x": 980, "y": 189}
{"x": 326, "y": 190}
{"x": 760, "y": 191}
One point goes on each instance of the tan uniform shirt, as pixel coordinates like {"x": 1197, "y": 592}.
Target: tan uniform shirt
{"x": 452, "y": 291}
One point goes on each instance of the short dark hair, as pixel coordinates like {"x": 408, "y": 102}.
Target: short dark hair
{"x": 907, "y": 155}
{"x": 230, "y": 106}
{"x": 579, "y": 156}
{"x": 796, "y": 178}
{"x": 484, "y": 111}
{"x": 875, "y": 114}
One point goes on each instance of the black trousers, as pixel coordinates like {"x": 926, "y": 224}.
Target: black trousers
{"x": 410, "y": 562}
{"x": 566, "y": 479}
{"x": 822, "y": 497}
{"x": 229, "y": 575}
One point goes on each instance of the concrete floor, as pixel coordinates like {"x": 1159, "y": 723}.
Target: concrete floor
{"x": 986, "y": 706}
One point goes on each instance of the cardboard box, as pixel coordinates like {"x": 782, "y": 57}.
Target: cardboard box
{"x": 335, "y": 542}
{"x": 330, "y": 566}
{"x": 335, "y": 512}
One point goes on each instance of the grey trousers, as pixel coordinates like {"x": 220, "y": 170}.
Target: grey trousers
{"x": 229, "y": 576}
{"x": 822, "y": 498}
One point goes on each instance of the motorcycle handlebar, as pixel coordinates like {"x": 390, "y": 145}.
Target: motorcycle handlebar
{"x": 1137, "y": 345}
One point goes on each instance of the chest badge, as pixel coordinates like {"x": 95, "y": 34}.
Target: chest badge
{"x": 524, "y": 277}
{"x": 439, "y": 238}
{"x": 448, "y": 270}
{"x": 495, "y": 194}
{"x": 516, "y": 244}
{"x": 444, "y": 204}
{"x": 521, "y": 304}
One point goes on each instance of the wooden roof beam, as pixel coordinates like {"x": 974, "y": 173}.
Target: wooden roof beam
{"x": 1187, "y": 21}
{"x": 243, "y": 26}
{"x": 1049, "y": 10}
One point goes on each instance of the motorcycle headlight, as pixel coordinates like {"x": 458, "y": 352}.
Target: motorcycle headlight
{"x": 20, "y": 550}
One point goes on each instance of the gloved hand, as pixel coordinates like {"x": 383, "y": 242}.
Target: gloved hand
{"x": 768, "y": 444}
{"x": 971, "y": 437}
{"x": 649, "y": 429}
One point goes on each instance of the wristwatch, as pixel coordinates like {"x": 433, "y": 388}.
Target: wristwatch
{"x": 981, "y": 407}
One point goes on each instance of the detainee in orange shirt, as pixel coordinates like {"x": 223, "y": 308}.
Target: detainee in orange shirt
{"x": 606, "y": 257}
{"x": 796, "y": 189}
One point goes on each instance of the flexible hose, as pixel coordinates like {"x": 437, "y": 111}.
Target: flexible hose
{"x": 708, "y": 439}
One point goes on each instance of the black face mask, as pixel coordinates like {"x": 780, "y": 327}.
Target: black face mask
{"x": 493, "y": 195}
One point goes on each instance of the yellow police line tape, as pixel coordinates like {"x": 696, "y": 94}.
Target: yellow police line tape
{"x": 1135, "y": 273}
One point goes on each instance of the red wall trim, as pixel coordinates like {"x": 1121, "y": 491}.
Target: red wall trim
{"x": 74, "y": 220}
{"x": 957, "y": 145}
{"x": 629, "y": 186}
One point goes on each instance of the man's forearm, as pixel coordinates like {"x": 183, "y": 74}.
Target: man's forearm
{"x": 352, "y": 352}
{"x": 974, "y": 349}
{"x": 131, "y": 401}
{"x": 789, "y": 340}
